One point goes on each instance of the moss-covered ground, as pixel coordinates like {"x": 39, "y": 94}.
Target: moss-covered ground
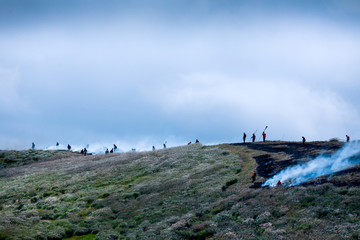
{"x": 190, "y": 192}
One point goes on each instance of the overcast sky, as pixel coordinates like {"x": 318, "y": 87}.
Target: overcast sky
{"x": 140, "y": 73}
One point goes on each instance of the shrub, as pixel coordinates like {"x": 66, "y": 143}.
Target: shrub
{"x": 304, "y": 226}
{"x": 104, "y": 195}
{"x": 277, "y": 214}
{"x": 229, "y": 183}
{"x": 322, "y": 213}
{"x": 131, "y": 195}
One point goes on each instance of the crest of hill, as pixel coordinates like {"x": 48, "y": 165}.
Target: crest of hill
{"x": 188, "y": 192}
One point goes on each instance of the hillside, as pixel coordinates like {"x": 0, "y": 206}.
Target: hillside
{"x": 188, "y": 192}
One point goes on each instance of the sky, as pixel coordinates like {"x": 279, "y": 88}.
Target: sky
{"x": 141, "y": 73}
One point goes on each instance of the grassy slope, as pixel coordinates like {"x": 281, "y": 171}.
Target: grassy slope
{"x": 190, "y": 192}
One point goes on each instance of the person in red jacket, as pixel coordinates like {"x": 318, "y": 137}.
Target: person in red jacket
{"x": 279, "y": 183}
{"x": 253, "y": 176}
{"x": 264, "y": 136}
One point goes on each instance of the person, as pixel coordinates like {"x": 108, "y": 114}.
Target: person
{"x": 33, "y": 145}
{"x": 85, "y": 151}
{"x": 303, "y": 139}
{"x": 153, "y": 148}
{"x": 82, "y": 151}
{"x": 253, "y": 176}
{"x": 57, "y": 143}
{"x": 279, "y": 183}
{"x": 69, "y": 147}
{"x": 115, "y": 147}
{"x": 244, "y": 137}
{"x": 253, "y": 137}
{"x": 164, "y": 145}
{"x": 347, "y": 138}
{"x": 189, "y": 143}
{"x": 112, "y": 150}
{"x": 107, "y": 151}
{"x": 197, "y": 141}
{"x": 264, "y": 136}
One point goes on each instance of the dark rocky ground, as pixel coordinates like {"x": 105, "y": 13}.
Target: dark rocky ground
{"x": 280, "y": 155}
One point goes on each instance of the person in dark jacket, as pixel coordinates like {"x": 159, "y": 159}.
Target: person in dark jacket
{"x": 244, "y": 137}
{"x": 253, "y": 137}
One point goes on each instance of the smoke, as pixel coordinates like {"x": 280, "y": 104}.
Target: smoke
{"x": 344, "y": 158}
{"x": 122, "y": 146}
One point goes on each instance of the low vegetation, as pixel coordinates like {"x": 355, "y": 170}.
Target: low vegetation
{"x": 190, "y": 192}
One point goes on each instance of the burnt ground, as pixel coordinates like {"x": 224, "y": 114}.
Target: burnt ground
{"x": 280, "y": 155}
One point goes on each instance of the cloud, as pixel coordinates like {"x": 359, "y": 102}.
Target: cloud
{"x": 10, "y": 97}
{"x": 208, "y": 73}
{"x": 289, "y": 107}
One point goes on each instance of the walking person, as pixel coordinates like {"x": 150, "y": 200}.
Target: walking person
{"x": 253, "y": 137}
{"x": 253, "y": 176}
{"x": 264, "y": 136}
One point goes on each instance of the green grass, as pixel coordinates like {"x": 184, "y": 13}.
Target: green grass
{"x": 175, "y": 193}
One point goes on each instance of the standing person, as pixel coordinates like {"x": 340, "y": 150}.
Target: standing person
{"x": 253, "y": 176}
{"x": 153, "y": 148}
{"x": 347, "y": 138}
{"x": 253, "y": 137}
{"x": 69, "y": 147}
{"x": 32, "y": 145}
{"x": 115, "y": 147}
{"x": 264, "y": 136}
{"x": 303, "y": 140}
{"x": 164, "y": 145}
{"x": 244, "y": 137}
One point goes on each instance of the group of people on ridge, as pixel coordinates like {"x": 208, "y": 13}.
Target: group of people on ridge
{"x": 253, "y": 137}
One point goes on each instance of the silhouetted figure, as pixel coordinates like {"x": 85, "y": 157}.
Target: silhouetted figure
{"x": 164, "y": 145}
{"x": 32, "y": 145}
{"x": 107, "y": 151}
{"x": 189, "y": 143}
{"x": 84, "y": 151}
{"x": 197, "y": 141}
{"x": 115, "y": 147}
{"x": 253, "y": 137}
{"x": 244, "y": 137}
{"x": 57, "y": 144}
{"x": 303, "y": 140}
{"x": 69, "y": 147}
{"x": 278, "y": 183}
{"x": 264, "y": 136}
{"x": 112, "y": 150}
{"x": 347, "y": 138}
{"x": 253, "y": 176}
{"x": 153, "y": 148}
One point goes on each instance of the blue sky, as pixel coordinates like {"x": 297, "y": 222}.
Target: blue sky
{"x": 140, "y": 73}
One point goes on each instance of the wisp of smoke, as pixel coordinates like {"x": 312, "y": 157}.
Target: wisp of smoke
{"x": 344, "y": 158}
